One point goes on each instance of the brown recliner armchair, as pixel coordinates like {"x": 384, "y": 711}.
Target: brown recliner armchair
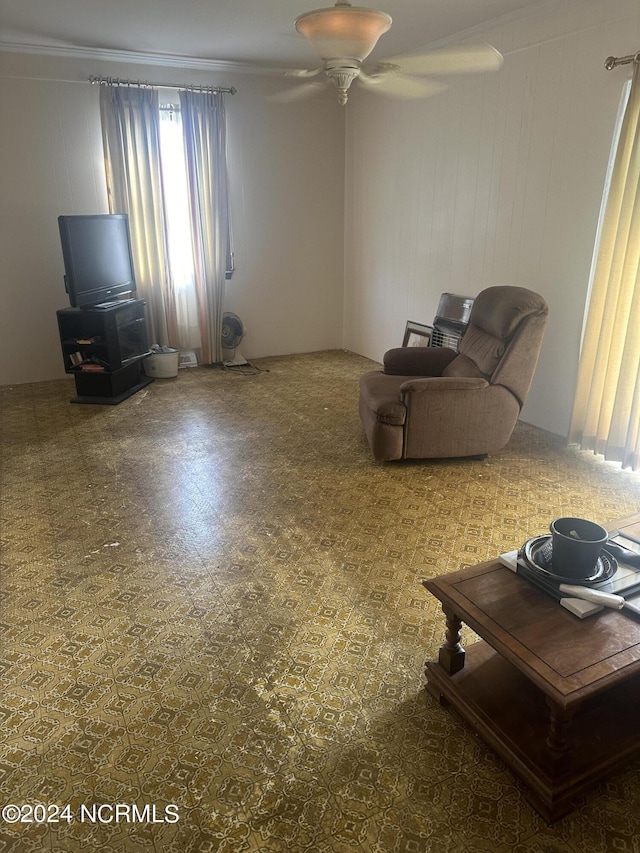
{"x": 431, "y": 402}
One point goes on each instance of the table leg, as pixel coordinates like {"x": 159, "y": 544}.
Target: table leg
{"x": 558, "y": 732}
{"x": 451, "y": 656}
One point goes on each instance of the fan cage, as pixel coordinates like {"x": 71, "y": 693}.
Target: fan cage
{"x": 445, "y": 339}
{"x": 233, "y": 327}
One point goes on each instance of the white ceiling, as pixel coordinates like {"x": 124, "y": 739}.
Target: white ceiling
{"x": 257, "y": 32}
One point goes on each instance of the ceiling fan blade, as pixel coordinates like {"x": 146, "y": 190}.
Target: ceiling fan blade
{"x": 297, "y": 93}
{"x": 303, "y": 72}
{"x": 463, "y": 59}
{"x": 400, "y": 85}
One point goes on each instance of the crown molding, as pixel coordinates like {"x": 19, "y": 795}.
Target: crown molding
{"x": 258, "y": 68}
{"x": 478, "y": 30}
{"x": 138, "y": 58}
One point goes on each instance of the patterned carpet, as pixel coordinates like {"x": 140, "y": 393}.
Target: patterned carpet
{"x": 211, "y": 598}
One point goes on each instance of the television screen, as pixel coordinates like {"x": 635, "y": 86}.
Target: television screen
{"x": 97, "y": 258}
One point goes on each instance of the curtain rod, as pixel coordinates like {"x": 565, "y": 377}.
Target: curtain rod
{"x": 117, "y": 81}
{"x": 612, "y": 62}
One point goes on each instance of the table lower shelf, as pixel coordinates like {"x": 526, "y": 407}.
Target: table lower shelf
{"x": 511, "y": 715}
{"x": 108, "y": 388}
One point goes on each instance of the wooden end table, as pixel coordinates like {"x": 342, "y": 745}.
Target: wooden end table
{"x": 555, "y": 696}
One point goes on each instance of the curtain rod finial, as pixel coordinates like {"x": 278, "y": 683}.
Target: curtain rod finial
{"x": 610, "y": 62}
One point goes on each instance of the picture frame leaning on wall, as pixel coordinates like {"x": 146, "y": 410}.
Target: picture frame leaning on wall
{"x": 417, "y": 335}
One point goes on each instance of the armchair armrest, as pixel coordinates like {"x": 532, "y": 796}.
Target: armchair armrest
{"x": 443, "y": 383}
{"x": 417, "y": 361}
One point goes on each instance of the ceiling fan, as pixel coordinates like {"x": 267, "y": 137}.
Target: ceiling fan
{"x": 343, "y": 36}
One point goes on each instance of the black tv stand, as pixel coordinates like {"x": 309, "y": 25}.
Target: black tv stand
{"x": 103, "y": 305}
{"x": 103, "y": 348}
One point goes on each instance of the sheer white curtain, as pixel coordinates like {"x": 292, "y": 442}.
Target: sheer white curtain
{"x": 179, "y": 228}
{"x": 204, "y": 128}
{"x": 606, "y": 411}
{"x": 130, "y": 132}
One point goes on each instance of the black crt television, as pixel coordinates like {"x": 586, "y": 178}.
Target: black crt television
{"x": 97, "y": 255}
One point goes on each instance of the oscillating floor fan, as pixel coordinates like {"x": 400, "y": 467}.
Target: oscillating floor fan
{"x": 232, "y": 334}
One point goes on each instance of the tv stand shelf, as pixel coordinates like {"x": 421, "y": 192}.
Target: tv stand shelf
{"x": 114, "y": 340}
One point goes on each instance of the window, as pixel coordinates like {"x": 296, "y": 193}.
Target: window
{"x": 174, "y": 178}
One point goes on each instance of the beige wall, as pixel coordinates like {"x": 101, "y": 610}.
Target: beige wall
{"x": 496, "y": 181}
{"x": 287, "y": 180}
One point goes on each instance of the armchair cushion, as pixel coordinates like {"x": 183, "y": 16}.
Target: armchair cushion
{"x": 483, "y": 349}
{"x": 500, "y": 321}
{"x": 462, "y": 366}
{"x": 500, "y": 310}
{"x": 417, "y": 361}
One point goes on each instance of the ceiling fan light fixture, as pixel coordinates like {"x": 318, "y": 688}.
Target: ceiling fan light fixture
{"x": 343, "y": 31}
{"x": 343, "y": 36}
